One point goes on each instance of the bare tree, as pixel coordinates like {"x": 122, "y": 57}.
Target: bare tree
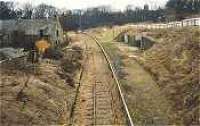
{"x": 7, "y": 10}
{"x": 27, "y": 11}
{"x": 43, "y": 11}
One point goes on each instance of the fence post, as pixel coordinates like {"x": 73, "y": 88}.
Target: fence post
{"x": 181, "y": 23}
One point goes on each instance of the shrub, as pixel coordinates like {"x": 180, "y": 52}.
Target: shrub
{"x": 53, "y": 53}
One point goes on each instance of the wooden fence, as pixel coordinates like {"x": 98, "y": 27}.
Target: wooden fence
{"x": 175, "y": 24}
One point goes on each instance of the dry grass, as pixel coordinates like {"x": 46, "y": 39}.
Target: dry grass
{"x": 174, "y": 64}
{"x": 140, "y": 90}
{"x": 39, "y": 96}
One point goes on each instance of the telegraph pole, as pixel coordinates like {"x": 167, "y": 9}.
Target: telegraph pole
{"x": 80, "y": 20}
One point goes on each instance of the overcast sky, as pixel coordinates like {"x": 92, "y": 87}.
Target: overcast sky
{"x": 82, "y": 4}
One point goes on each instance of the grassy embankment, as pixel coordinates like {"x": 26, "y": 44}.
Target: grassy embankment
{"x": 39, "y": 94}
{"x": 140, "y": 90}
{"x": 174, "y": 64}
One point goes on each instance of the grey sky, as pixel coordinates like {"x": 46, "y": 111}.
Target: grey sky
{"x": 81, "y": 4}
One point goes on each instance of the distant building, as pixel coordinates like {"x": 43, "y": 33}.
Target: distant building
{"x": 146, "y": 7}
{"x": 24, "y": 33}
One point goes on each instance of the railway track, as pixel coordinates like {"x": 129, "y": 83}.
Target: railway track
{"x": 99, "y": 100}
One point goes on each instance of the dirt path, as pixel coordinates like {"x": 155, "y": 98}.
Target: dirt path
{"x": 94, "y": 105}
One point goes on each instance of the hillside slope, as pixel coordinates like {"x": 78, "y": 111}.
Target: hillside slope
{"x": 39, "y": 94}
{"x": 174, "y": 63}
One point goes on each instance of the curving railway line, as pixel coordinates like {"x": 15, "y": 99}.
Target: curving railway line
{"x": 99, "y": 100}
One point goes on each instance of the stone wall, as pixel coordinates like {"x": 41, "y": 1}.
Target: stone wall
{"x": 23, "y": 33}
{"x": 142, "y": 42}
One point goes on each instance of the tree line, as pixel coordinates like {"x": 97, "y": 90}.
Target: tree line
{"x": 102, "y": 15}
{"x": 8, "y": 10}
{"x": 183, "y": 8}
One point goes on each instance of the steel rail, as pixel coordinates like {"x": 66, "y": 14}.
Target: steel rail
{"x": 94, "y": 94}
{"x": 78, "y": 88}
